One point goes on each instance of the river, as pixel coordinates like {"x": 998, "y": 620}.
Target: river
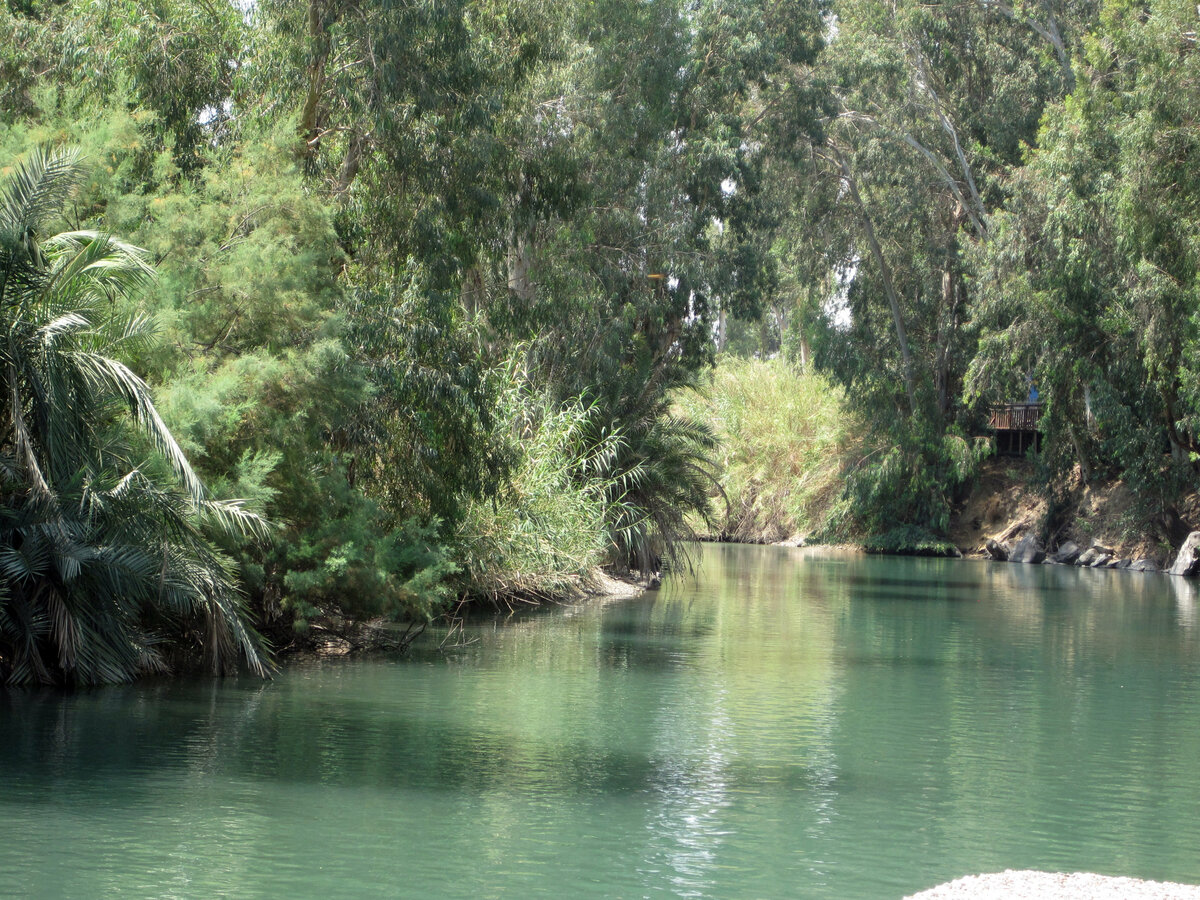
{"x": 784, "y": 723}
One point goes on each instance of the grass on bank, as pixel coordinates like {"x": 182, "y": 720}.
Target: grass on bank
{"x": 542, "y": 536}
{"x": 785, "y": 440}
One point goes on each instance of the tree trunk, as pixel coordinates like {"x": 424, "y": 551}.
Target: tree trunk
{"x": 474, "y": 292}
{"x": 979, "y": 216}
{"x": 1085, "y": 471}
{"x": 1182, "y": 443}
{"x": 318, "y": 56}
{"x": 942, "y": 375}
{"x": 519, "y": 262}
{"x": 948, "y": 319}
{"x": 352, "y": 162}
{"x": 886, "y": 274}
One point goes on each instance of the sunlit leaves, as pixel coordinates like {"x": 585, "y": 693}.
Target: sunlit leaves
{"x": 92, "y": 547}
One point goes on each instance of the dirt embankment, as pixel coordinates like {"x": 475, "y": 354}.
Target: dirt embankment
{"x": 1006, "y": 503}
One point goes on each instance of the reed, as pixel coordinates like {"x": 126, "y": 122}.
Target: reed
{"x": 785, "y": 438}
{"x": 542, "y": 535}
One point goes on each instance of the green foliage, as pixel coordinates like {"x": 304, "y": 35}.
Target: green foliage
{"x": 361, "y": 216}
{"x": 929, "y": 106}
{"x": 358, "y": 215}
{"x": 96, "y": 549}
{"x": 913, "y": 483}
{"x": 259, "y": 382}
{"x": 785, "y": 437}
{"x": 424, "y": 435}
{"x": 587, "y": 486}
{"x": 543, "y": 533}
{"x": 23, "y": 55}
{"x": 660, "y": 474}
{"x": 179, "y": 59}
{"x": 1090, "y": 285}
{"x": 353, "y": 560}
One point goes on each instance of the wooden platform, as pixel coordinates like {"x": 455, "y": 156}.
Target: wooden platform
{"x": 1015, "y": 426}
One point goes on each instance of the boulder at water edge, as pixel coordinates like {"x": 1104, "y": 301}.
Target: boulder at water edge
{"x": 1188, "y": 560}
{"x": 997, "y": 550}
{"x": 1028, "y": 550}
{"x": 1067, "y": 553}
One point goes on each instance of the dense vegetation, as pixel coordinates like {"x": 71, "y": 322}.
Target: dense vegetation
{"x": 429, "y": 278}
{"x": 785, "y": 439}
{"x": 1000, "y": 196}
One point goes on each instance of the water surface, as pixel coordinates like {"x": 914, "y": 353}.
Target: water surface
{"x": 786, "y": 724}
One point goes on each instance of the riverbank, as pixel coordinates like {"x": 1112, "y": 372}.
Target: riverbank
{"x": 790, "y": 450}
{"x": 1014, "y": 885}
{"x": 1006, "y": 504}
{"x": 334, "y": 634}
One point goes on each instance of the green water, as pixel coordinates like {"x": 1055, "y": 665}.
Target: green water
{"x": 787, "y": 724}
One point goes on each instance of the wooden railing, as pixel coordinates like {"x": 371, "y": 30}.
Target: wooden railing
{"x": 1015, "y": 417}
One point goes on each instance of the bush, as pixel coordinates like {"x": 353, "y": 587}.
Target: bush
{"x": 912, "y": 483}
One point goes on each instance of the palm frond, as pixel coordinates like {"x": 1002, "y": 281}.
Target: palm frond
{"x": 109, "y": 374}
{"x": 232, "y": 517}
{"x": 91, "y": 558}
{"x": 68, "y": 324}
{"x": 37, "y": 191}
{"x": 93, "y": 265}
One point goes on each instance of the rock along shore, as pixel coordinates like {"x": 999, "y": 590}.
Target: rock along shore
{"x": 1029, "y": 550}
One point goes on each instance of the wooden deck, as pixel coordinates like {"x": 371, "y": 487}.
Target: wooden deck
{"x": 1015, "y": 417}
{"x": 1016, "y": 427}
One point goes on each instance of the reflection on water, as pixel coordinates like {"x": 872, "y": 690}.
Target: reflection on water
{"x": 786, "y": 723}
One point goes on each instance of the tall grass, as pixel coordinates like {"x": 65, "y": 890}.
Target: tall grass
{"x": 542, "y": 536}
{"x": 572, "y": 499}
{"x": 784, "y": 438}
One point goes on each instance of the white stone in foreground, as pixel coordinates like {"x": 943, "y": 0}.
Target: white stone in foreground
{"x": 1012, "y": 885}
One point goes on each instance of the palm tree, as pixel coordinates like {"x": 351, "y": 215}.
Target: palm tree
{"x": 102, "y": 558}
{"x": 659, "y": 472}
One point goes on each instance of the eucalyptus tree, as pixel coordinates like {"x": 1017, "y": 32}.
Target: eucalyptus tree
{"x": 102, "y": 556}
{"x": 1092, "y": 282}
{"x": 636, "y": 217}
{"x": 932, "y": 104}
{"x": 178, "y": 59}
{"x": 928, "y": 108}
{"x": 584, "y": 178}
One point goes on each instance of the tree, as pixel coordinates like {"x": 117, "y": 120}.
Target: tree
{"x": 634, "y": 218}
{"x": 928, "y": 108}
{"x": 1092, "y": 284}
{"x": 99, "y": 554}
